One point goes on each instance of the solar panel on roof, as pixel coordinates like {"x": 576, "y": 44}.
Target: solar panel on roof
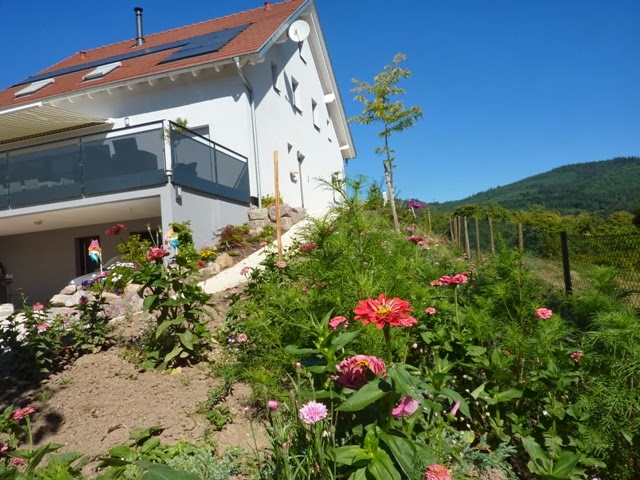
{"x": 215, "y": 40}
{"x": 209, "y": 43}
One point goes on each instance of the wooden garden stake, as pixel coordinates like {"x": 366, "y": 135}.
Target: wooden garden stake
{"x": 520, "y": 238}
{"x": 277, "y": 185}
{"x": 493, "y": 245}
{"x": 478, "y": 240}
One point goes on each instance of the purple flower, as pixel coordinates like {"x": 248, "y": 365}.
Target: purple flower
{"x": 273, "y": 405}
{"x": 415, "y": 204}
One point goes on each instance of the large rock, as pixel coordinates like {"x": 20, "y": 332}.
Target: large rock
{"x": 224, "y": 260}
{"x": 285, "y": 211}
{"x": 285, "y": 223}
{"x": 69, "y": 290}
{"x": 255, "y": 224}
{"x": 61, "y": 300}
{"x": 128, "y": 304}
{"x": 297, "y": 214}
{"x": 258, "y": 214}
{"x": 210, "y": 270}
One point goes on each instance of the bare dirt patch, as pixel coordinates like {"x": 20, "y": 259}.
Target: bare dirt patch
{"x": 94, "y": 403}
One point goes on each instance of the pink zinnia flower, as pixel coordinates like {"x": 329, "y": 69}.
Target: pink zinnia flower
{"x": 543, "y": 313}
{"x": 355, "y": 370}
{"x": 410, "y": 229}
{"x": 22, "y": 412}
{"x": 4, "y": 447}
{"x": 415, "y": 239}
{"x": 42, "y": 327}
{"x": 19, "y": 461}
{"x": 242, "y": 338}
{"x": 281, "y": 264}
{"x": 307, "y": 247}
{"x": 263, "y": 244}
{"x": 313, "y": 412}
{"x": 335, "y": 322}
{"x": 437, "y": 472}
{"x": 115, "y": 230}
{"x": 273, "y": 405}
{"x": 576, "y": 356}
{"x": 430, "y": 310}
{"x": 156, "y": 253}
{"x": 245, "y": 270}
{"x": 38, "y": 307}
{"x": 393, "y": 312}
{"x": 405, "y": 408}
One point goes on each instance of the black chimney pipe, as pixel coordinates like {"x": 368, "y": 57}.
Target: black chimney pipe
{"x": 139, "y": 37}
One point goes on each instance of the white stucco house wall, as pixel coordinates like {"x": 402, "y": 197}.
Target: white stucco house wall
{"x": 89, "y": 142}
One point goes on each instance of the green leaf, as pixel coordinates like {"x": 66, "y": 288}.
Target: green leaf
{"x": 540, "y": 461}
{"x": 372, "y": 391}
{"x": 346, "y": 455}
{"x": 360, "y": 474}
{"x": 476, "y": 393}
{"x": 155, "y": 471}
{"x": 627, "y": 436}
{"x": 295, "y": 350}
{"x": 456, "y": 397}
{"x": 186, "y": 338}
{"x": 381, "y": 467}
{"x": 123, "y": 452}
{"x": 341, "y": 340}
{"x": 150, "y": 445}
{"x": 565, "y": 464}
{"x": 475, "y": 351}
{"x": 173, "y": 353}
{"x": 507, "y": 395}
{"x": 404, "y": 383}
{"x": 404, "y": 452}
{"x": 148, "y": 302}
{"x": 166, "y": 324}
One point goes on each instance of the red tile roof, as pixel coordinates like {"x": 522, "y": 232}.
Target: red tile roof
{"x": 263, "y": 23}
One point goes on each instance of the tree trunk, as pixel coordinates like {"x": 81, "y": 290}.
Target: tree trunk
{"x": 392, "y": 201}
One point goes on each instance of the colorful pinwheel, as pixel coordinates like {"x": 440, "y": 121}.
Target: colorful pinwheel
{"x": 95, "y": 252}
{"x": 172, "y": 239}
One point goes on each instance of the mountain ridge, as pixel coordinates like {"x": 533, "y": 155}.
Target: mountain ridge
{"x": 601, "y": 187}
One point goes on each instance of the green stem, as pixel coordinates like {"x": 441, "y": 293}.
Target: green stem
{"x": 30, "y": 434}
{"x": 387, "y": 339}
{"x": 455, "y": 299}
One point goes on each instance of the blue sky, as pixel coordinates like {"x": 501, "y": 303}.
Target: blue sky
{"x": 509, "y": 88}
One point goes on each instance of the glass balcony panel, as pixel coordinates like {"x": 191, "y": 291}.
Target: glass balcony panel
{"x": 43, "y": 176}
{"x": 203, "y": 165}
{"x": 4, "y": 184}
{"x": 123, "y": 163}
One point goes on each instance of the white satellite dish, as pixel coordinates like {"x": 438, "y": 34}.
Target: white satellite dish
{"x": 299, "y": 31}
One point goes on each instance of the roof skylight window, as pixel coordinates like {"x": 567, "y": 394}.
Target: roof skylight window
{"x": 102, "y": 70}
{"x": 34, "y": 87}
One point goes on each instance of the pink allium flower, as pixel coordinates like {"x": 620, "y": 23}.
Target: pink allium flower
{"x": 576, "y": 356}
{"x": 437, "y": 472}
{"x": 393, "y": 312}
{"x": 281, "y": 264}
{"x": 355, "y": 370}
{"x": 42, "y": 327}
{"x": 156, "y": 253}
{"x": 115, "y": 230}
{"x": 430, "y": 310}
{"x": 543, "y": 313}
{"x": 246, "y": 410}
{"x": 38, "y": 307}
{"x": 284, "y": 446}
{"x": 335, "y": 322}
{"x": 22, "y": 412}
{"x": 245, "y": 270}
{"x": 313, "y": 412}
{"x": 19, "y": 461}
{"x": 410, "y": 229}
{"x": 455, "y": 408}
{"x": 307, "y": 247}
{"x": 405, "y": 408}
{"x": 242, "y": 338}
{"x": 273, "y": 405}
{"x": 415, "y": 239}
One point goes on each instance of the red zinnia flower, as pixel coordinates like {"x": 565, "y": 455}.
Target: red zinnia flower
{"x": 544, "y": 313}
{"x": 115, "y": 230}
{"x": 415, "y": 239}
{"x": 307, "y": 247}
{"x": 22, "y": 412}
{"x": 394, "y": 312}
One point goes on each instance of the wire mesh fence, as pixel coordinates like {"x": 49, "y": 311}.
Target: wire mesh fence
{"x": 610, "y": 262}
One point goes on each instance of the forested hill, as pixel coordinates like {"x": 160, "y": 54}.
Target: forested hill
{"x": 597, "y": 187}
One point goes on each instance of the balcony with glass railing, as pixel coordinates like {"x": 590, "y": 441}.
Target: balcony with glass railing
{"x": 101, "y": 164}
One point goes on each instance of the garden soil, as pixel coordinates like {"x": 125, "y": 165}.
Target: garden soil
{"x": 98, "y": 399}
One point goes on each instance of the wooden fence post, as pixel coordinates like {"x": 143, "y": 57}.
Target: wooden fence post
{"x": 520, "y": 238}
{"x": 460, "y": 233}
{"x": 566, "y": 268}
{"x": 467, "y": 249}
{"x": 429, "y": 217}
{"x": 478, "y": 254}
{"x": 493, "y": 245}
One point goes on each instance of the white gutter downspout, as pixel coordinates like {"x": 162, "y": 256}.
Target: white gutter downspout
{"x": 253, "y": 128}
